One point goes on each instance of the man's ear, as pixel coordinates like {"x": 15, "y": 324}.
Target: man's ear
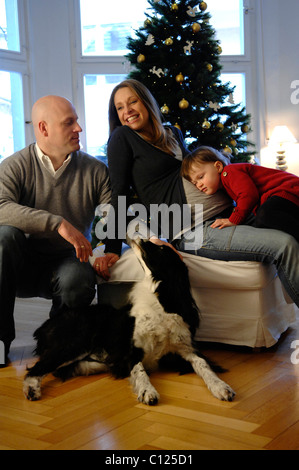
{"x": 219, "y": 166}
{"x": 43, "y": 128}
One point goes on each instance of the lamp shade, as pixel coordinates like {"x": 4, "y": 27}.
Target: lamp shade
{"x": 282, "y": 134}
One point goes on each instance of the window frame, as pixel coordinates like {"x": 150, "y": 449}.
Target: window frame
{"x": 17, "y": 62}
{"x": 22, "y": 54}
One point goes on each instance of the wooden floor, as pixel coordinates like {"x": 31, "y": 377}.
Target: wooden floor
{"x": 100, "y": 412}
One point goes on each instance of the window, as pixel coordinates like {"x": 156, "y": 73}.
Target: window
{"x": 228, "y": 21}
{"x": 97, "y": 91}
{"x": 237, "y": 80}
{"x": 103, "y": 34}
{"x": 104, "y": 31}
{"x": 11, "y": 113}
{"x": 13, "y": 69}
{"x": 9, "y": 25}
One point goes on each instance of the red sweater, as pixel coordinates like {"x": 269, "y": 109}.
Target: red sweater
{"x": 251, "y": 185}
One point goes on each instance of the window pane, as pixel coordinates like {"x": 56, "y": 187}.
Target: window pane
{"x": 228, "y": 21}
{"x": 236, "y": 80}
{"x": 11, "y": 114}
{"x": 97, "y": 91}
{"x": 9, "y": 25}
{"x": 238, "y": 97}
{"x": 104, "y": 31}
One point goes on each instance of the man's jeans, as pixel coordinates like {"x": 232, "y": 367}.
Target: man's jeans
{"x": 246, "y": 243}
{"x": 26, "y": 273}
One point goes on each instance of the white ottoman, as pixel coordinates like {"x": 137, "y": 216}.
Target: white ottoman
{"x": 241, "y": 303}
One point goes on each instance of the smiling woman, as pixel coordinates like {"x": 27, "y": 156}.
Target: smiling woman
{"x": 138, "y": 110}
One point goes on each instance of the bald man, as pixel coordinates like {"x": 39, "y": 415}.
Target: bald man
{"x": 48, "y": 195}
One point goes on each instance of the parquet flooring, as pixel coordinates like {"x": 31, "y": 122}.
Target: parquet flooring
{"x": 101, "y": 413}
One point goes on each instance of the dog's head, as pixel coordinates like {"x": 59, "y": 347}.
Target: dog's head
{"x": 170, "y": 275}
{"x": 160, "y": 261}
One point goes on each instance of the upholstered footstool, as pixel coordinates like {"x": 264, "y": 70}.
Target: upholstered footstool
{"x": 240, "y": 303}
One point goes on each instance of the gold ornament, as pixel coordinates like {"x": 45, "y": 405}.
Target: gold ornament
{"x": 220, "y": 126}
{"x": 165, "y": 109}
{"x": 209, "y": 67}
{"x": 196, "y": 27}
{"x": 233, "y": 143}
{"x": 168, "y": 41}
{"x": 147, "y": 22}
{"x": 227, "y": 149}
{"x": 203, "y": 6}
{"x": 245, "y": 128}
{"x": 183, "y": 104}
{"x": 174, "y": 7}
{"x": 180, "y": 77}
{"x": 140, "y": 58}
{"x": 206, "y": 124}
{"x": 219, "y": 49}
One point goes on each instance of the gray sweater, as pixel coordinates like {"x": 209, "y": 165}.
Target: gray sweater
{"x": 34, "y": 201}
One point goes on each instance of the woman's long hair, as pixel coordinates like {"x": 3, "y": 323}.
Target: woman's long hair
{"x": 162, "y": 137}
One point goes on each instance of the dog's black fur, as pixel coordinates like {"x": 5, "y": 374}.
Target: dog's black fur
{"x": 100, "y": 337}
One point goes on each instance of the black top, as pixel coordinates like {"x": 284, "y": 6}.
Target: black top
{"x": 153, "y": 175}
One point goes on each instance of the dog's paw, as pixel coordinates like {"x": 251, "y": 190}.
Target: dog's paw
{"x": 31, "y": 389}
{"x": 222, "y": 391}
{"x": 149, "y": 396}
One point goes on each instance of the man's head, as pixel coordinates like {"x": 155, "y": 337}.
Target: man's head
{"x": 56, "y": 127}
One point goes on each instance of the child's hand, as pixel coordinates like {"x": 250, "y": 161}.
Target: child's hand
{"x": 221, "y": 223}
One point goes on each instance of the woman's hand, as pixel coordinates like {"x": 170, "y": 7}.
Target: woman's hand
{"x": 221, "y": 223}
{"x": 103, "y": 263}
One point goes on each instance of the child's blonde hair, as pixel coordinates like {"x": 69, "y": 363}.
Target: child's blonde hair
{"x": 202, "y": 154}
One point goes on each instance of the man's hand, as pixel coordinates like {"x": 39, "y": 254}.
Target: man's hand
{"x": 221, "y": 223}
{"x": 103, "y": 263}
{"x": 77, "y": 239}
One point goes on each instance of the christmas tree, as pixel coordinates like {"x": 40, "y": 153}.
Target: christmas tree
{"x": 176, "y": 55}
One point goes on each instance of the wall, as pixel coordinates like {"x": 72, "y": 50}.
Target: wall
{"x": 280, "y": 39}
{"x": 50, "y": 48}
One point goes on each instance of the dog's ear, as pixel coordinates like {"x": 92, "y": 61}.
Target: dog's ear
{"x": 175, "y": 293}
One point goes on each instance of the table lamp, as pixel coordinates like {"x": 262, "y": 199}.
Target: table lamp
{"x": 281, "y": 135}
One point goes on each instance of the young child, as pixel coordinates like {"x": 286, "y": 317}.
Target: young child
{"x": 272, "y": 195}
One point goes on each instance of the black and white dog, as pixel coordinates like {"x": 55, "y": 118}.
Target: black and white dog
{"x": 161, "y": 318}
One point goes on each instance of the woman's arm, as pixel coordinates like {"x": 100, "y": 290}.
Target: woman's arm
{"x": 120, "y": 161}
